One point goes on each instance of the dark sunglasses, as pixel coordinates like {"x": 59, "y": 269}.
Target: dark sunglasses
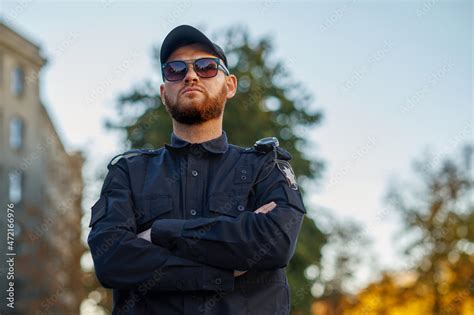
{"x": 204, "y": 67}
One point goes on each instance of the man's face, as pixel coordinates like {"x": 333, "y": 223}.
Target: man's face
{"x": 205, "y": 103}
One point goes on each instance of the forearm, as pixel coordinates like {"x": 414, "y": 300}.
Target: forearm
{"x": 249, "y": 241}
{"x": 128, "y": 262}
{"x": 124, "y": 261}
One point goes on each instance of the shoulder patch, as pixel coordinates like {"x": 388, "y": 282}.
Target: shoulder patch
{"x": 287, "y": 171}
{"x": 129, "y": 154}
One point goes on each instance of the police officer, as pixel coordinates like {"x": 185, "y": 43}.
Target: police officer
{"x": 199, "y": 226}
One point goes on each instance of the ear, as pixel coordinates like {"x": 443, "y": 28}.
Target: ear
{"x": 231, "y": 82}
{"x": 162, "y": 93}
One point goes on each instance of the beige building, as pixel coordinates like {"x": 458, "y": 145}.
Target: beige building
{"x": 44, "y": 183}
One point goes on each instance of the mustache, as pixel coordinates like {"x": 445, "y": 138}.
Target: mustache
{"x": 193, "y": 87}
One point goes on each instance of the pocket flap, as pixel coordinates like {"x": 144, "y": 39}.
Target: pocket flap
{"x": 149, "y": 207}
{"x": 98, "y": 210}
{"x": 227, "y": 204}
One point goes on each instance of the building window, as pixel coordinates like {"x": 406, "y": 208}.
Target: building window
{"x": 16, "y": 133}
{"x": 15, "y": 186}
{"x": 18, "y": 81}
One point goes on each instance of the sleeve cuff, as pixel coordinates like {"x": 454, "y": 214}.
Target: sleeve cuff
{"x": 165, "y": 232}
{"x": 217, "y": 279}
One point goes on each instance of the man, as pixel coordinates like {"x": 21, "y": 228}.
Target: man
{"x": 199, "y": 226}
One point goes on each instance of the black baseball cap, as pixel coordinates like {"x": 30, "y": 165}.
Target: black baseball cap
{"x": 185, "y": 35}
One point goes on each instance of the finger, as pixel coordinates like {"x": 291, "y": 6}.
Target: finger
{"x": 259, "y": 210}
{"x": 270, "y": 207}
{"x": 263, "y": 208}
{"x": 266, "y": 208}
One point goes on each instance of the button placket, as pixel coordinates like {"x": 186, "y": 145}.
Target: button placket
{"x": 195, "y": 183}
{"x": 193, "y": 165}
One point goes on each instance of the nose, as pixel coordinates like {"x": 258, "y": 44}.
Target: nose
{"x": 191, "y": 75}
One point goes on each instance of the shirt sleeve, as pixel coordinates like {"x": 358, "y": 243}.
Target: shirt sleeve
{"x": 123, "y": 261}
{"x": 257, "y": 241}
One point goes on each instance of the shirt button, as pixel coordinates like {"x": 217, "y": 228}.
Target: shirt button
{"x": 218, "y": 281}
{"x": 193, "y": 212}
{"x": 240, "y": 208}
{"x": 243, "y": 171}
{"x": 195, "y": 173}
{"x": 243, "y": 177}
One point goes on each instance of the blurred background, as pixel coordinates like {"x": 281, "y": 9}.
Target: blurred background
{"x": 372, "y": 98}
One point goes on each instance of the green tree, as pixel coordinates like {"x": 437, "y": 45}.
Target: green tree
{"x": 268, "y": 103}
{"x": 439, "y": 221}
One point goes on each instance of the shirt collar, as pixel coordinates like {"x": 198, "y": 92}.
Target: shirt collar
{"x": 217, "y": 145}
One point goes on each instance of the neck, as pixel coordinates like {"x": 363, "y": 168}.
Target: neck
{"x": 206, "y": 131}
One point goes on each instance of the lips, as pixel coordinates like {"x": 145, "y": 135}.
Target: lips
{"x": 190, "y": 90}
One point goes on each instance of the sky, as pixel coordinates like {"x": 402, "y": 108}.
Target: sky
{"x": 392, "y": 78}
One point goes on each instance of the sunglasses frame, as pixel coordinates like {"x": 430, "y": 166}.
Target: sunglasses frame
{"x": 193, "y": 62}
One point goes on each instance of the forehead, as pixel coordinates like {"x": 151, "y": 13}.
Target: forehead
{"x": 192, "y": 51}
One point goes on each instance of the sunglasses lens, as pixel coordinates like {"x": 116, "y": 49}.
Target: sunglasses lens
{"x": 175, "y": 70}
{"x": 206, "y": 67}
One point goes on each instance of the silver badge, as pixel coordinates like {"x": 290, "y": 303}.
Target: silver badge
{"x": 286, "y": 169}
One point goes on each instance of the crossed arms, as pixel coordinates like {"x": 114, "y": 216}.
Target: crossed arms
{"x": 170, "y": 240}
{"x": 180, "y": 254}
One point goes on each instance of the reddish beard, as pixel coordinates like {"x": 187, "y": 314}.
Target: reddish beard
{"x": 196, "y": 113}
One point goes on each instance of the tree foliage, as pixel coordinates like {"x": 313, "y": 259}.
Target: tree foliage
{"x": 438, "y": 227}
{"x": 439, "y": 219}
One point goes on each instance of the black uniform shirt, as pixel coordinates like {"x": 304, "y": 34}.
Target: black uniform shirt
{"x": 199, "y": 201}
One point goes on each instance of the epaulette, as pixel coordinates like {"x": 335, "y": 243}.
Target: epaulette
{"x": 282, "y": 154}
{"x": 129, "y": 154}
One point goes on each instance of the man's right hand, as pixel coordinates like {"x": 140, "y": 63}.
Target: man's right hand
{"x": 266, "y": 208}
{"x": 263, "y": 209}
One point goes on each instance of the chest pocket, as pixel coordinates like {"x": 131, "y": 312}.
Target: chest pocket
{"x": 227, "y": 203}
{"x": 151, "y": 207}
